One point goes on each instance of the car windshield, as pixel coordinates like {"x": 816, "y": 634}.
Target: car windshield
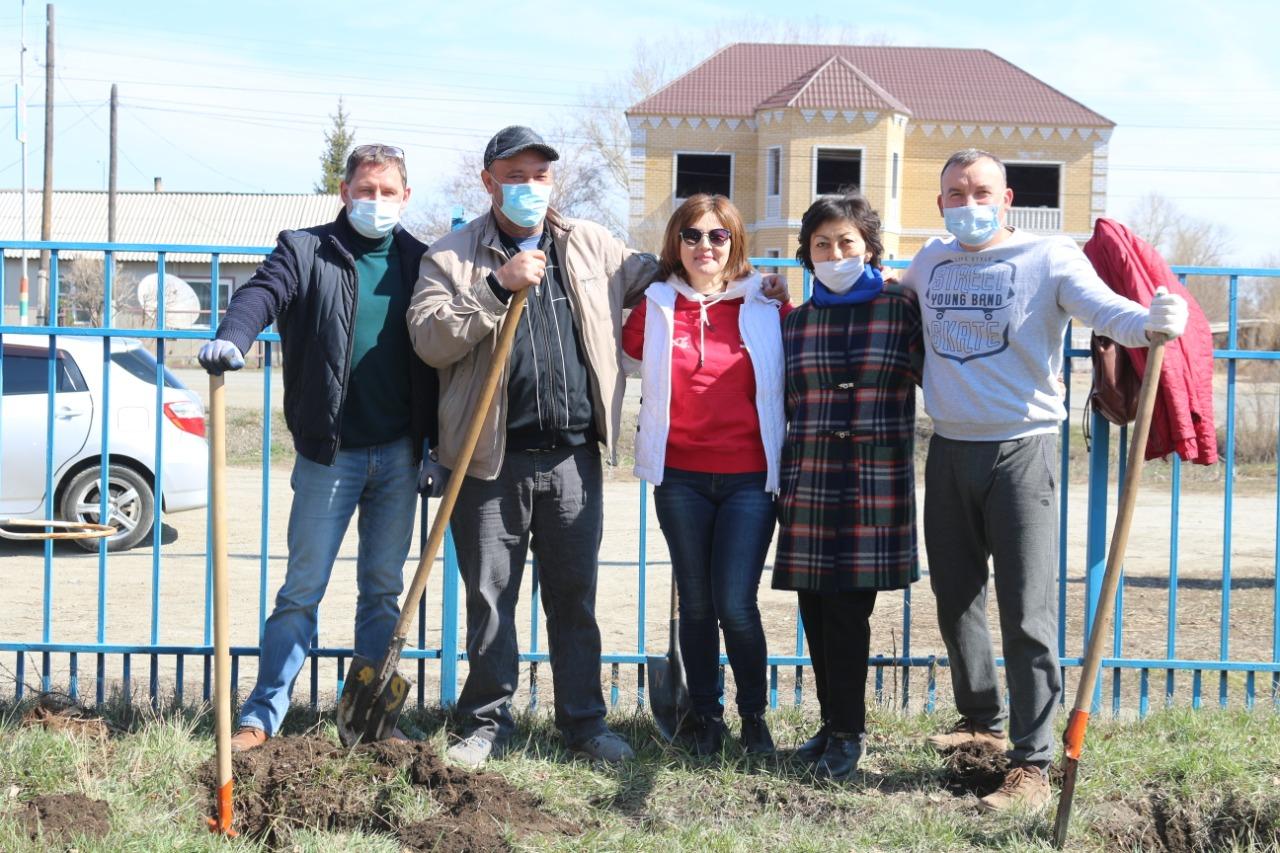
{"x": 142, "y": 364}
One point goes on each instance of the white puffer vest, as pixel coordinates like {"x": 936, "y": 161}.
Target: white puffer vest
{"x": 761, "y": 333}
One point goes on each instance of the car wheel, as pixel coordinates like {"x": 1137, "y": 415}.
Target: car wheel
{"x": 130, "y": 505}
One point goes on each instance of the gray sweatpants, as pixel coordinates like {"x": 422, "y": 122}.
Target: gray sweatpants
{"x": 552, "y": 500}
{"x": 998, "y": 500}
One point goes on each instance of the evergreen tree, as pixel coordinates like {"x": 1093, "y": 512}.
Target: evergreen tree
{"x": 337, "y": 145}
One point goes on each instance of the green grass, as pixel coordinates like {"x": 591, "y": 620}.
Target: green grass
{"x": 1201, "y": 763}
{"x": 244, "y": 437}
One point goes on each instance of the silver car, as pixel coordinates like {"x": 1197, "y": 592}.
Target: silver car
{"x": 78, "y": 412}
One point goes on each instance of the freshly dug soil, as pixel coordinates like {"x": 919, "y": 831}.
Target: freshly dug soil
{"x": 1156, "y": 821}
{"x": 975, "y": 768}
{"x": 290, "y": 783}
{"x": 62, "y": 817}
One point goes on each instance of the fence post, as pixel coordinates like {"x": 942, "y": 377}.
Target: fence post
{"x": 1096, "y": 531}
{"x": 449, "y": 625}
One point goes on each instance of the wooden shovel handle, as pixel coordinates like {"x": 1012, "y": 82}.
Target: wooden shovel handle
{"x": 1120, "y": 535}
{"x": 221, "y": 618}
{"x": 409, "y": 609}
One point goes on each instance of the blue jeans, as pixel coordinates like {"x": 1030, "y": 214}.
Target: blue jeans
{"x": 382, "y": 482}
{"x": 718, "y": 528}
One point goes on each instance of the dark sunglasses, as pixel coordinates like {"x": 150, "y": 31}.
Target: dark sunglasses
{"x": 716, "y": 236}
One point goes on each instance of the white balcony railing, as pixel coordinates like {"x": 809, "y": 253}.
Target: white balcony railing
{"x": 1036, "y": 218}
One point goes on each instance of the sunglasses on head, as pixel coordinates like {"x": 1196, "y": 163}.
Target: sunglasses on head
{"x": 716, "y": 236}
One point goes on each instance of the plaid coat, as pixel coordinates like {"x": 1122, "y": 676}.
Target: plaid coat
{"x": 847, "y": 506}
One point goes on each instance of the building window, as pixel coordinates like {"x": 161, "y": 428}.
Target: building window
{"x": 704, "y": 173}
{"x": 1035, "y": 184}
{"x": 836, "y": 170}
{"x": 203, "y": 288}
{"x": 773, "y": 172}
{"x": 893, "y": 188}
{"x": 770, "y": 253}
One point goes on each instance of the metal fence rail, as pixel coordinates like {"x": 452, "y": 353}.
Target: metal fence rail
{"x": 111, "y": 666}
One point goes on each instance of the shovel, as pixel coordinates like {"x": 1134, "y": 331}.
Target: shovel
{"x": 221, "y": 645}
{"x": 374, "y": 692}
{"x": 1073, "y": 737}
{"x": 668, "y": 692}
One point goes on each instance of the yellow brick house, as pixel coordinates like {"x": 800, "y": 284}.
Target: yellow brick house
{"x": 772, "y": 126}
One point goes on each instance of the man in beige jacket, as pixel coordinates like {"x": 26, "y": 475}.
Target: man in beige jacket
{"x": 535, "y": 479}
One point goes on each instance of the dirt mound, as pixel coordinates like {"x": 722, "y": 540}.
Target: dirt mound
{"x": 54, "y": 713}
{"x": 65, "y": 816}
{"x": 294, "y": 782}
{"x": 975, "y": 768}
{"x": 1157, "y": 821}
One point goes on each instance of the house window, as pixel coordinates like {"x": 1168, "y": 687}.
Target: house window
{"x": 203, "y": 288}
{"x": 704, "y": 173}
{"x": 1035, "y": 184}
{"x": 836, "y": 170}
{"x": 773, "y": 172}
{"x": 770, "y": 253}
{"x": 893, "y": 189}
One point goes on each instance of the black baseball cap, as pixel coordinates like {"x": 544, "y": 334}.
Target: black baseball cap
{"x": 510, "y": 141}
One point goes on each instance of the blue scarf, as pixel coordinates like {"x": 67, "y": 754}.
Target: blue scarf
{"x": 865, "y": 289}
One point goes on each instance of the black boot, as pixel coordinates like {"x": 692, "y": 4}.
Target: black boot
{"x": 812, "y": 749}
{"x": 841, "y": 756}
{"x": 756, "y": 739}
{"x": 708, "y": 735}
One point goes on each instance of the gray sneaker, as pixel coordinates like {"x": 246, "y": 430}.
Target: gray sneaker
{"x": 607, "y": 747}
{"x": 471, "y": 752}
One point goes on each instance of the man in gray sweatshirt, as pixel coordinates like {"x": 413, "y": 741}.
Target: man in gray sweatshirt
{"x": 995, "y": 303}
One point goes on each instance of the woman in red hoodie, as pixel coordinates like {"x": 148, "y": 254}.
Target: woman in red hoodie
{"x": 709, "y": 439}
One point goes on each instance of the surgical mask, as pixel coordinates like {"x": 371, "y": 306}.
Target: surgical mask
{"x": 525, "y": 204}
{"x": 840, "y": 276}
{"x": 373, "y": 219}
{"x": 972, "y": 225}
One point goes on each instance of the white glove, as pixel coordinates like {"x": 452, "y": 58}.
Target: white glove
{"x": 432, "y": 477}
{"x": 219, "y": 355}
{"x": 1167, "y": 315}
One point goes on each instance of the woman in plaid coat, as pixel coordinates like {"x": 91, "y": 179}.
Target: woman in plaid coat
{"x": 846, "y": 510}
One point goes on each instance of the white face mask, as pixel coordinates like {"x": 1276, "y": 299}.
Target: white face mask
{"x": 840, "y": 276}
{"x": 373, "y": 219}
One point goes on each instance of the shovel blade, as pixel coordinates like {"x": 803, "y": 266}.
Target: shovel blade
{"x": 1070, "y": 766}
{"x": 668, "y": 695}
{"x": 365, "y": 713}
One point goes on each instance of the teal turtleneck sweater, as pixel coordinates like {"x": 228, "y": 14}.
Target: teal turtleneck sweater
{"x": 377, "y": 396}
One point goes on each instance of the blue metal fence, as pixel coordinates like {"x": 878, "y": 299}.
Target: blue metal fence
{"x": 113, "y": 663}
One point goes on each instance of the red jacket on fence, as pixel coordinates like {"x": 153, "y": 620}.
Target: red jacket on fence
{"x": 1183, "y": 418}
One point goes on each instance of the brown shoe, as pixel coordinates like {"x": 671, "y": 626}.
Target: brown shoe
{"x": 247, "y": 738}
{"x": 1025, "y": 786}
{"x": 964, "y": 732}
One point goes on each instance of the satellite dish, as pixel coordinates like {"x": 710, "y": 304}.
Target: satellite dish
{"x": 181, "y": 304}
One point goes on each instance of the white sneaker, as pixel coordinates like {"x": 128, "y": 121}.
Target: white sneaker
{"x": 471, "y": 752}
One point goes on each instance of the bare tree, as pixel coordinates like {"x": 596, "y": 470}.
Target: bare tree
{"x": 82, "y": 298}
{"x": 1184, "y": 240}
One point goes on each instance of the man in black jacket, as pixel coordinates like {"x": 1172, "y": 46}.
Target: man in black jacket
{"x": 358, "y": 403}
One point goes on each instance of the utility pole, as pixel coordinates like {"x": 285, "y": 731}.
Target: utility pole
{"x": 111, "y": 181}
{"x": 20, "y": 128}
{"x": 46, "y": 209}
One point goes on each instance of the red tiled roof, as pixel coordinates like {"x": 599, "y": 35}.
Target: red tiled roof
{"x": 936, "y": 84}
{"x": 834, "y": 83}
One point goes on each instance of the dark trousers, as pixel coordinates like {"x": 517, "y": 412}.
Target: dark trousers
{"x": 837, "y": 627}
{"x": 550, "y": 500}
{"x": 995, "y": 503}
{"x": 718, "y": 528}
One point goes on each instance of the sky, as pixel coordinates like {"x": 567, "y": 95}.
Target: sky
{"x": 235, "y": 96}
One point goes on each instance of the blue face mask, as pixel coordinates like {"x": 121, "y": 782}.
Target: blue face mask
{"x": 373, "y": 219}
{"x": 972, "y": 225}
{"x": 525, "y": 204}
